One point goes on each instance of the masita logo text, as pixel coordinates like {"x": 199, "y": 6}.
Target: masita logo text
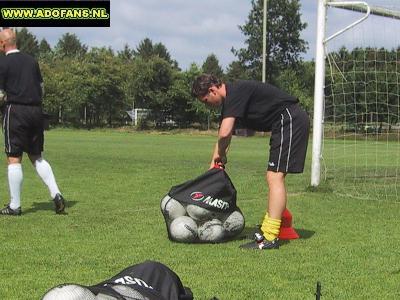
{"x": 210, "y": 201}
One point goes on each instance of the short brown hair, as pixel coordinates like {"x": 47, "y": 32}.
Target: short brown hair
{"x": 202, "y": 83}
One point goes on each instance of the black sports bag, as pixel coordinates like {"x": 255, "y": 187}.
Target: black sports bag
{"x": 149, "y": 280}
{"x": 203, "y": 209}
{"x": 152, "y": 279}
{"x": 212, "y": 190}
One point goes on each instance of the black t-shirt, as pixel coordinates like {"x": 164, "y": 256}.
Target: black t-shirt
{"x": 20, "y": 78}
{"x": 254, "y": 104}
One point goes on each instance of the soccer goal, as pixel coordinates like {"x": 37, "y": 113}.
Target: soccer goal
{"x": 356, "y": 124}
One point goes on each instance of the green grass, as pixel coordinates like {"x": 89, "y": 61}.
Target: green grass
{"x": 364, "y": 168}
{"x": 114, "y": 182}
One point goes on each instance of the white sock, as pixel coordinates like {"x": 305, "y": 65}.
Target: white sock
{"x": 46, "y": 173}
{"x": 15, "y": 177}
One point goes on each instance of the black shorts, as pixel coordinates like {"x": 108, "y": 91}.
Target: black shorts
{"x": 289, "y": 140}
{"x": 23, "y": 130}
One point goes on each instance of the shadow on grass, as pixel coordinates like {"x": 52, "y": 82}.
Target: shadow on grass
{"x": 248, "y": 233}
{"x": 47, "y": 205}
{"x": 304, "y": 233}
{"x": 323, "y": 188}
{"x": 244, "y": 235}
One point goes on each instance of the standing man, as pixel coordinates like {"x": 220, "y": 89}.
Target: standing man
{"x": 21, "y": 87}
{"x": 261, "y": 107}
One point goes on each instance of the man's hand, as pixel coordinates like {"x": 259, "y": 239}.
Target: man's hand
{"x": 3, "y": 96}
{"x": 218, "y": 160}
{"x": 222, "y": 145}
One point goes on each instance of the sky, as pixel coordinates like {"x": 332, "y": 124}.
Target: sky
{"x": 192, "y": 29}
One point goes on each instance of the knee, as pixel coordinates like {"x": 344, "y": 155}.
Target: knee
{"x": 14, "y": 160}
{"x": 275, "y": 178}
{"x": 34, "y": 158}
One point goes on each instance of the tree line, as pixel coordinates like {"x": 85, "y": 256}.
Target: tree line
{"x": 362, "y": 88}
{"x": 97, "y": 86}
{"x": 94, "y": 87}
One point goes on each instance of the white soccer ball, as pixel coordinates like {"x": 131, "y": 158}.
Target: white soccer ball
{"x": 234, "y": 223}
{"x": 128, "y": 292}
{"x": 69, "y": 292}
{"x": 198, "y": 213}
{"x": 102, "y": 296}
{"x": 183, "y": 229}
{"x": 211, "y": 231}
{"x": 172, "y": 208}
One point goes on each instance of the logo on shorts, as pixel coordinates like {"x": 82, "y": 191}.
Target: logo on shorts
{"x": 271, "y": 164}
{"x": 197, "y": 196}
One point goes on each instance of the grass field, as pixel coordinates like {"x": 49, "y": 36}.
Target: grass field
{"x": 114, "y": 181}
{"x": 367, "y": 169}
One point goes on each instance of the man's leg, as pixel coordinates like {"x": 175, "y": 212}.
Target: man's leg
{"x": 45, "y": 172}
{"x": 276, "y": 204}
{"x": 277, "y": 194}
{"x": 15, "y": 178}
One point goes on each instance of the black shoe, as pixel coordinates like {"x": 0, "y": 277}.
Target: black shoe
{"x": 274, "y": 244}
{"x": 11, "y": 212}
{"x": 59, "y": 204}
{"x": 265, "y": 244}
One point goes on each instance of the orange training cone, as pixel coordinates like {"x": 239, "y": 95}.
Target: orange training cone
{"x": 287, "y": 231}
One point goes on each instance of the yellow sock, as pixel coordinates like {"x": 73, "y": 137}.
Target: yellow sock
{"x": 264, "y": 222}
{"x": 270, "y": 227}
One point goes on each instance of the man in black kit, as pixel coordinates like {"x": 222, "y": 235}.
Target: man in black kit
{"x": 21, "y": 90}
{"x": 262, "y": 107}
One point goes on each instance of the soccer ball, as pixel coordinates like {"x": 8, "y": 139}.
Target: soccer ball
{"x": 102, "y": 296}
{"x": 183, "y": 229}
{"x": 69, "y": 292}
{"x": 172, "y": 208}
{"x": 234, "y": 223}
{"x": 198, "y": 213}
{"x": 128, "y": 292}
{"x": 211, "y": 231}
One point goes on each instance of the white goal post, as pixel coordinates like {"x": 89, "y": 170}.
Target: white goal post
{"x": 364, "y": 10}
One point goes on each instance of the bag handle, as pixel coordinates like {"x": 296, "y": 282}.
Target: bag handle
{"x": 219, "y": 166}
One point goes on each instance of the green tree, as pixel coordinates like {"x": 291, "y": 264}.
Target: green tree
{"x": 128, "y": 73}
{"x": 45, "y": 51}
{"x": 202, "y": 114}
{"x": 211, "y": 66}
{"x": 126, "y": 54}
{"x": 299, "y": 83}
{"x": 69, "y": 45}
{"x": 105, "y": 93}
{"x": 60, "y": 88}
{"x": 161, "y": 51}
{"x": 284, "y": 44}
{"x": 44, "y": 47}
{"x": 236, "y": 70}
{"x": 27, "y": 42}
{"x": 150, "y": 84}
{"x": 361, "y": 86}
{"x": 146, "y": 50}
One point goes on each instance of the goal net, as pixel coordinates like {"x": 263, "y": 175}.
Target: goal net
{"x": 361, "y": 136}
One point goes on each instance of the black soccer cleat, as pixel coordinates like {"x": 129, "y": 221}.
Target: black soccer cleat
{"x": 264, "y": 244}
{"x": 59, "y": 204}
{"x": 274, "y": 244}
{"x": 11, "y": 212}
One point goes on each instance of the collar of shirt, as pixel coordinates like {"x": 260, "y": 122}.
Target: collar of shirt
{"x": 12, "y": 51}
